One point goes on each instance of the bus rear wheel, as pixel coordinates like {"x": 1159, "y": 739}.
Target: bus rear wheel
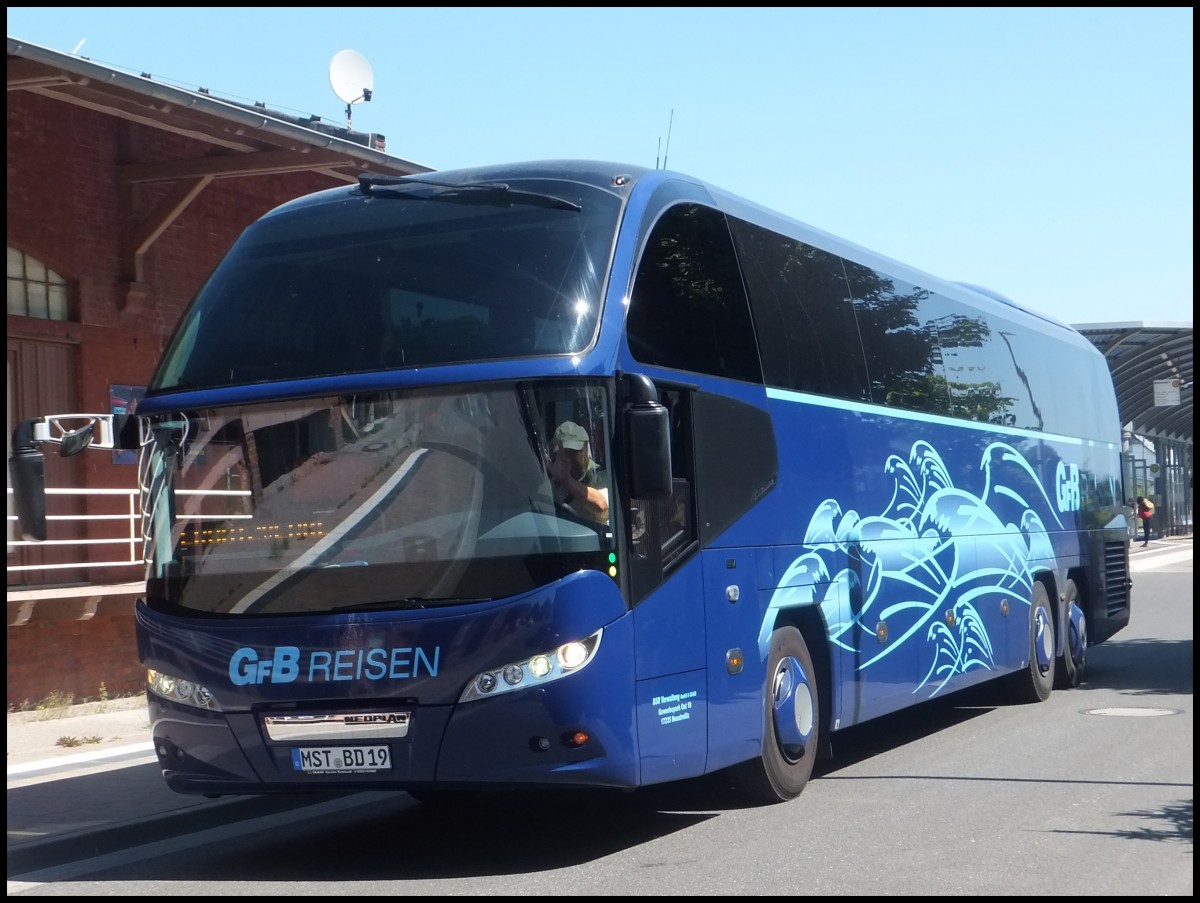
{"x": 1074, "y": 657}
{"x": 792, "y": 717}
{"x": 1034, "y": 682}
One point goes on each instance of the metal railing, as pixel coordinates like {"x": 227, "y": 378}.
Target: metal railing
{"x": 128, "y": 522}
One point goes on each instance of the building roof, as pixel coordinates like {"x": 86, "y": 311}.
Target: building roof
{"x": 1139, "y": 354}
{"x": 231, "y": 140}
{"x": 253, "y": 140}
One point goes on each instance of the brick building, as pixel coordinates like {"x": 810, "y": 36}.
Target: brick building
{"x": 123, "y": 194}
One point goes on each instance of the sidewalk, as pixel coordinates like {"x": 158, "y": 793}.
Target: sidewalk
{"x": 77, "y": 734}
{"x": 107, "y": 793}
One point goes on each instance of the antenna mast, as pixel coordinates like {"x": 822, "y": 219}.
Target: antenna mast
{"x": 667, "y": 149}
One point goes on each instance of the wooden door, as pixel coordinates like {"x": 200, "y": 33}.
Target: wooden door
{"x": 41, "y": 380}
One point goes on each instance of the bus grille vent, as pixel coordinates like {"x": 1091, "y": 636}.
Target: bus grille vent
{"x": 1116, "y": 578}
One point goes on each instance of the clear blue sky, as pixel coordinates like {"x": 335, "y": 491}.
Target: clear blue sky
{"x": 1043, "y": 153}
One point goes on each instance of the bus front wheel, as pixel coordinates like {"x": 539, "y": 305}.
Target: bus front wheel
{"x": 1034, "y": 682}
{"x": 789, "y": 750}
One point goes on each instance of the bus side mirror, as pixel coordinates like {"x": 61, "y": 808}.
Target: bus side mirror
{"x": 75, "y": 441}
{"x": 27, "y": 472}
{"x": 648, "y": 441}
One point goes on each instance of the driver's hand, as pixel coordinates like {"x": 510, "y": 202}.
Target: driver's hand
{"x": 559, "y": 467}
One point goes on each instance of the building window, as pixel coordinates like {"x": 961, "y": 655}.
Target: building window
{"x": 35, "y": 290}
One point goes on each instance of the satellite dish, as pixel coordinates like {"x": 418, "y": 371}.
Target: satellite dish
{"x": 351, "y": 78}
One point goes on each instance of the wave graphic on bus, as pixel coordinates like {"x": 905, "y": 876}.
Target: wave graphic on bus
{"x": 914, "y": 578}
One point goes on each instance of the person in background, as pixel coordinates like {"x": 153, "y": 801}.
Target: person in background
{"x": 579, "y": 481}
{"x": 1145, "y": 513}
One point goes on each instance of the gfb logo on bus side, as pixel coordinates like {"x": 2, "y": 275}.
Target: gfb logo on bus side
{"x": 1066, "y": 480}
{"x": 286, "y": 664}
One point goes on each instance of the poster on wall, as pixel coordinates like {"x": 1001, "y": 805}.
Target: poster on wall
{"x": 120, "y": 398}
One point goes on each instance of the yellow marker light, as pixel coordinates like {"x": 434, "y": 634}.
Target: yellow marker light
{"x": 578, "y": 738}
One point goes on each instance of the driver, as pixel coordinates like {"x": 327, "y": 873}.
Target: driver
{"x": 579, "y": 481}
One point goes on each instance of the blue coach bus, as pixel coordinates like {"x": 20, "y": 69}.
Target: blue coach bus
{"x": 574, "y": 473}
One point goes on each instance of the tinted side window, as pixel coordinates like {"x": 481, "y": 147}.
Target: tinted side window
{"x": 802, "y": 312}
{"x": 981, "y": 375}
{"x": 736, "y": 460}
{"x": 1089, "y": 408}
{"x": 898, "y": 324}
{"x": 688, "y": 310}
{"x": 1024, "y": 369}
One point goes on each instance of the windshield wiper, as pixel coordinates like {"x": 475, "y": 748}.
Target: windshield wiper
{"x": 411, "y": 602}
{"x": 497, "y": 194}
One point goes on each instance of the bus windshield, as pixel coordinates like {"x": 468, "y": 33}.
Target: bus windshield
{"x": 399, "y": 499}
{"x": 391, "y": 279}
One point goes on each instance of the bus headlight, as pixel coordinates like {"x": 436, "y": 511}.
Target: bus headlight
{"x": 177, "y": 689}
{"x": 534, "y": 671}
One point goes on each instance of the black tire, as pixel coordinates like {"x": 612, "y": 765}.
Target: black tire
{"x": 1034, "y": 682}
{"x": 791, "y": 728}
{"x": 1074, "y": 658}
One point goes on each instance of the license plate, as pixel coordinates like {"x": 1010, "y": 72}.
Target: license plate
{"x": 341, "y": 759}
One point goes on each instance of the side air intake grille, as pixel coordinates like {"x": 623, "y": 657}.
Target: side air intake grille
{"x": 1116, "y": 578}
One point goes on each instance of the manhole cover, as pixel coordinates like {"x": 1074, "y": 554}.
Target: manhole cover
{"x": 1132, "y": 712}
